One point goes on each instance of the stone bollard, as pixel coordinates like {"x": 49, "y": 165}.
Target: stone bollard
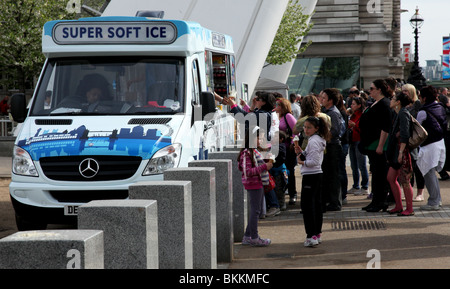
{"x": 203, "y": 182}
{"x": 224, "y": 206}
{"x": 240, "y": 206}
{"x": 52, "y": 249}
{"x": 130, "y": 229}
{"x": 174, "y": 199}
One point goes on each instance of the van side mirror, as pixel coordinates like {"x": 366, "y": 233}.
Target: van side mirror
{"x": 208, "y": 103}
{"x": 18, "y": 107}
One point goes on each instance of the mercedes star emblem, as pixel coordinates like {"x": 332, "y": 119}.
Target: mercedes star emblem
{"x": 89, "y": 168}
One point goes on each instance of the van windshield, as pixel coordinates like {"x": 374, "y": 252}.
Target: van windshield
{"x": 111, "y": 86}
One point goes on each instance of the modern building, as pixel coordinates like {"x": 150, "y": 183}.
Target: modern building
{"x": 353, "y": 42}
{"x": 433, "y": 70}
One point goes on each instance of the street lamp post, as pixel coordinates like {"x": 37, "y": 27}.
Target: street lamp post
{"x": 416, "y": 78}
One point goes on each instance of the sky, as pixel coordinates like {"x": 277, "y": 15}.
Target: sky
{"x": 433, "y": 29}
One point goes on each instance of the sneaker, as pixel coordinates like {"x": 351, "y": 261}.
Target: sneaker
{"x": 362, "y": 192}
{"x": 292, "y": 200}
{"x": 311, "y": 242}
{"x": 344, "y": 201}
{"x": 260, "y": 242}
{"x": 319, "y": 238}
{"x": 246, "y": 240}
{"x": 273, "y": 212}
{"x": 429, "y": 208}
{"x": 353, "y": 191}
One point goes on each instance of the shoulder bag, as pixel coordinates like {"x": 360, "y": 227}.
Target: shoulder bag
{"x": 418, "y": 134}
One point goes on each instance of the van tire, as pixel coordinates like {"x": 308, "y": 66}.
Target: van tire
{"x": 26, "y": 224}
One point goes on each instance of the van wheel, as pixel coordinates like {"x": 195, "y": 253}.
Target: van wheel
{"x": 27, "y": 224}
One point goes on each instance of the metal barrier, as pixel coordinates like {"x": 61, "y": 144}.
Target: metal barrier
{"x": 6, "y": 126}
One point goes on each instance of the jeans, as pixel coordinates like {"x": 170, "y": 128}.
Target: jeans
{"x": 343, "y": 171}
{"x": 272, "y": 200}
{"x": 358, "y": 165}
{"x": 432, "y": 184}
{"x": 256, "y": 198}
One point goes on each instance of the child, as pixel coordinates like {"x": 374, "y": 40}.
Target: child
{"x": 311, "y": 160}
{"x": 279, "y": 171}
{"x": 254, "y": 170}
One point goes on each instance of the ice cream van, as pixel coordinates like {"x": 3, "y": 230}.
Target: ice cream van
{"x": 119, "y": 100}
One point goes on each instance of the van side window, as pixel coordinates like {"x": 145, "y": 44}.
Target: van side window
{"x": 195, "y": 83}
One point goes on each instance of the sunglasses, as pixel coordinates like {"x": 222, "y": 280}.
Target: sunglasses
{"x": 353, "y": 91}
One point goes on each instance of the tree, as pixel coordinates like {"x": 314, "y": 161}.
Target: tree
{"x": 293, "y": 27}
{"x": 21, "y": 23}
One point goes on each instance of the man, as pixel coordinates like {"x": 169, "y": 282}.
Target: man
{"x": 352, "y": 92}
{"x": 295, "y": 107}
{"x": 442, "y": 97}
{"x": 332, "y": 187}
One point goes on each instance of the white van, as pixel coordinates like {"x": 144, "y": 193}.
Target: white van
{"x": 119, "y": 100}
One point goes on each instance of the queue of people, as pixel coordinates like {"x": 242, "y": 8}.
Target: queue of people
{"x": 372, "y": 128}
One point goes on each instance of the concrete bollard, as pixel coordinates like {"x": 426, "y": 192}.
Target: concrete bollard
{"x": 52, "y": 249}
{"x": 130, "y": 229}
{"x": 224, "y": 206}
{"x": 203, "y": 181}
{"x": 240, "y": 206}
{"x": 174, "y": 199}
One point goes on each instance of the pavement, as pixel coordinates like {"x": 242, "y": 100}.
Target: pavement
{"x": 354, "y": 239}
{"x": 351, "y": 238}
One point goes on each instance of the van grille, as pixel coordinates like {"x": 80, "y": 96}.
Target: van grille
{"x": 53, "y": 121}
{"x": 87, "y": 196}
{"x": 110, "y": 168}
{"x": 143, "y": 121}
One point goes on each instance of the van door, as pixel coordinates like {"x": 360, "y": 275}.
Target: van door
{"x": 198, "y": 125}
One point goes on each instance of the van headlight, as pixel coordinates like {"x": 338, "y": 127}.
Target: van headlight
{"x": 22, "y": 164}
{"x": 166, "y": 158}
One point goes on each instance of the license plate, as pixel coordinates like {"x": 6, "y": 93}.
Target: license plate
{"x": 70, "y": 210}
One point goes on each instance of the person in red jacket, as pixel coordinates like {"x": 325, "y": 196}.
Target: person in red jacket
{"x": 4, "y": 106}
{"x": 358, "y": 161}
{"x": 254, "y": 173}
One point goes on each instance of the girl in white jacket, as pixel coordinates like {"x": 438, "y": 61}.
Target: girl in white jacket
{"x": 311, "y": 195}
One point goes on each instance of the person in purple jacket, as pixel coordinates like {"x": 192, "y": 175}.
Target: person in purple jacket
{"x": 254, "y": 172}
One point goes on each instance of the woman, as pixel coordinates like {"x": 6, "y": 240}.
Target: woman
{"x": 417, "y": 177}
{"x": 287, "y": 124}
{"x": 375, "y": 124}
{"x": 398, "y": 156}
{"x": 358, "y": 161}
{"x": 264, "y": 103}
{"x": 310, "y": 106}
{"x": 431, "y": 156}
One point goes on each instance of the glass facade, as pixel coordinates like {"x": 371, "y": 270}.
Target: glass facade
{"x": 311, "y": 75}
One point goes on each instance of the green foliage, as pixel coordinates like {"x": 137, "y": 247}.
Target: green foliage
{"x": 21, "y": 23}
{"x": 293, "y": 27}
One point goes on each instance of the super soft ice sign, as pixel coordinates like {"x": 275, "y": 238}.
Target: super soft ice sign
{"x": 114, "y": 33}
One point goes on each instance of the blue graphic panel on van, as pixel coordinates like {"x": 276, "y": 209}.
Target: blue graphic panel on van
{"x": 80, "y": 141}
